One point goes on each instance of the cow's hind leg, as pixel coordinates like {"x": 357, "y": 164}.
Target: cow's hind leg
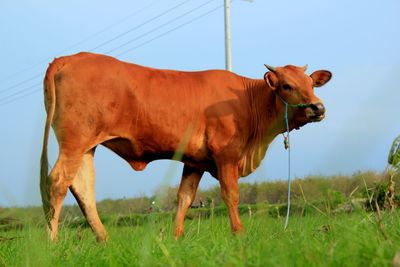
{"x": 60, "y": 178}
{"x": 186, "y": 194}
{"x": 83, "y": 190}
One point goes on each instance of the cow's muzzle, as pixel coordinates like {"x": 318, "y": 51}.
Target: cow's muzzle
{"x": 315, "y": 112}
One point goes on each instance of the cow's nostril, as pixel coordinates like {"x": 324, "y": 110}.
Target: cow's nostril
{"x": 313, "y": 107}
{"x": 318, "y": 108}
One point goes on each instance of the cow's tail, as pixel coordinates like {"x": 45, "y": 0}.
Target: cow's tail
{"x": 50, "y": 104}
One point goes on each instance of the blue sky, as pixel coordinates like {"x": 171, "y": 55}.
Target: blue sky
{"x": 357, "y": 40}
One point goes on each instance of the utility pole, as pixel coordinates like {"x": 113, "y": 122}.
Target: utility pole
{"x": 228, "y": 60}
{"x": 228, "y": 57}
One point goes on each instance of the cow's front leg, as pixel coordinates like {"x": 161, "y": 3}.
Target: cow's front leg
{"x": 186, "y": 194}
{"x": 228, "y": 175}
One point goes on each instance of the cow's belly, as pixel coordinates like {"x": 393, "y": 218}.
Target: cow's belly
{"x": 138, "y": 155}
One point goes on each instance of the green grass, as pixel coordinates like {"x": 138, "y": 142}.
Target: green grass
{"x": 314, "y": 240}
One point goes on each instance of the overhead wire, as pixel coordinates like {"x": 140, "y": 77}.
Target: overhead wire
{"x": 159, "y": 27}
{"x": 44, "y": 60}
{"x": 20, "y": 83}
{"x": 171, "y": 30}
{"x": 8, "y": 99}
{"x": 20, "y": 91}
{"x": 28, "y": 93}
{"x": 140, "y": 25}
{"x": 108, "y": 41}
{"x": 109, "y": 27}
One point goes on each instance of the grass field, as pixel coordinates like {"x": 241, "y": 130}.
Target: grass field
{"x": 314, "y": 240}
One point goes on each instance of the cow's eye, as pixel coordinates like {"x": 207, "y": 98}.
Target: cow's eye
{"x": 287, "y": 87}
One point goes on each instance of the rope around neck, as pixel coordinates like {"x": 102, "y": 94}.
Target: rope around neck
{"x": 287, "y": 145}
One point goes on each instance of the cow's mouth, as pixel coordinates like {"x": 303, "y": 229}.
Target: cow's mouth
{"x": 316, "y": 118}
{"x": 315, "y": 112}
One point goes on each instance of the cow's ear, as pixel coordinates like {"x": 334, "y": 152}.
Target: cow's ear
{"x": 271, "y": 79}
{"x": 320, "y": 77}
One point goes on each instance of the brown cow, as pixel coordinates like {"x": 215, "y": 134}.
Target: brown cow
{"x": 216, "y": 120}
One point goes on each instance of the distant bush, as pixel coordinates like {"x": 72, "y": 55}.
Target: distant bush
{"x": 323, "y": 194}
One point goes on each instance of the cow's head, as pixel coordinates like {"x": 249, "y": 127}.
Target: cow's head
{"x": 292, "y": 85}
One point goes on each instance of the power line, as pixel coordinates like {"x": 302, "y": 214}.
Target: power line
{"x": 22, "y": 82}
{"x": 109, "y": 27}
{"x": 3, "y": 101}
{"x": 20, "y": 91}
{"x": 159, "y": 27}
{"x": 140, "y": 25}
{"x": 45, "y": 60}
{"x": 172, "y": 30}
{"x": 19, "y": 72}
{"x": 104, "y": 43}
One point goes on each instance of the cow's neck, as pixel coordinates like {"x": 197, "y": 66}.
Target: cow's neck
{"x": 267, "y": 121}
